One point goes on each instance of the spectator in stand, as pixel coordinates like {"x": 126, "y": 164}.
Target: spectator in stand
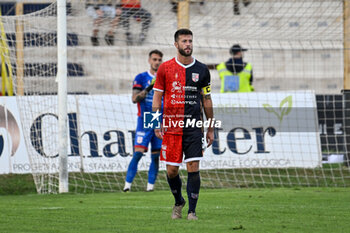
{"x": 132, "y": 8}
{"x": 236, "y": 9}
{"x": 100, "y": 10}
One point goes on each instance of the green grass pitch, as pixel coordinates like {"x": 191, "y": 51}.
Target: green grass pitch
{"x": 219, "y": 210}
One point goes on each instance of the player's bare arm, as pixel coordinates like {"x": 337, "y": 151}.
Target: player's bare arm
{"x": 138, "y": 95}
{"x": 157, "y": 106}
{"x": 209, "y": 113}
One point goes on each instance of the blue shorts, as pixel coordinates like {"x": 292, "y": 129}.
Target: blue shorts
{"x": 145, "y": 136}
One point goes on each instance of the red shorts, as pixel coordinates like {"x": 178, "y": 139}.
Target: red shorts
{"x": 174, "y": 146}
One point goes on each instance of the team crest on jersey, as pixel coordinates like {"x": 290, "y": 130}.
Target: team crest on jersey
{"x": 195, "y": 77}
{"x": 139, "y": 140}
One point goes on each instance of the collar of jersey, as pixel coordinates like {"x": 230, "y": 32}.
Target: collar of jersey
{"x": 185, "y": 66}
{"x": 149, "y": 73}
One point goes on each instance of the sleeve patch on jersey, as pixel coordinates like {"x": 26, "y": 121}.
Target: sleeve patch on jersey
{"x": 206, "y": 90}
{"x": 137, "y": 87}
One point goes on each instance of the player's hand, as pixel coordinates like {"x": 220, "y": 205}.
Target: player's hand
{"x": 159, "y": 133}
{"x": 210, "y": 136}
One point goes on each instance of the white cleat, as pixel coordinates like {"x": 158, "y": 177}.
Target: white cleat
{"x": 127, "y": 187}
{"x": 150, "y": 187}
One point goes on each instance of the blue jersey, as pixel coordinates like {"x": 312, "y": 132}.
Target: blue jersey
{"x": 142, "y": 81}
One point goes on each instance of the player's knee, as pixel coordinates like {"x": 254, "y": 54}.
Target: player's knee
{"x": 172, "y": 172}
{"x": 137, "y": 155}
{"x": 140, "y": 149}
{"x": 192, "y": 166}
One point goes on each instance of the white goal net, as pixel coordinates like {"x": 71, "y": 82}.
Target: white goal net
{"x": 290, "y": 132}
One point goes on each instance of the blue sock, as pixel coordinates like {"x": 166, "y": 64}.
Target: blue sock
{"x": 193, "y": 185}
{"x": 132, "y": 169}
{"x": 153, "y": 168}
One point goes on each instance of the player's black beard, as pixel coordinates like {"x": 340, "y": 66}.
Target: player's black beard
{"x": 155, "y": 69}
{"x": 183, "y": 53}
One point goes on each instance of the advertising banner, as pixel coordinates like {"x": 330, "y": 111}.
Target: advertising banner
{"x": 257, "y": 130}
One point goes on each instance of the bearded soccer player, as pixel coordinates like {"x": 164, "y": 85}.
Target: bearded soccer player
{"x": 143, "y": 96}
{"x": 184, "y": 84}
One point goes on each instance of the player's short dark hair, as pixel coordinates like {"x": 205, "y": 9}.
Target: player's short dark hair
{"x": 155, "y": 51}
{"x": 182, "y": 31}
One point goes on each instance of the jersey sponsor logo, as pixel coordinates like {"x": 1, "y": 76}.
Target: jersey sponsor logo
{"x": 190, "y": 88}
{"x": 195, "y": 77}
{"x": 177, "y": 87}
{"x": 191, "y": 102}
{"x": 140, "y": 133}
{"x": 183, "y": 96}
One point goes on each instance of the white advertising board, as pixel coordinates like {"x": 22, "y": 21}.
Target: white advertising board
{"x": 259, "y": 130}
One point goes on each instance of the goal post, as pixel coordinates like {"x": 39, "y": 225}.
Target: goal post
{"x": 62, "y": 94}
{"x": 183, "y": 14}
{"x": 78, "y": 122}
{"x": 346, "y": 91}
{"x": 19, "y": 50}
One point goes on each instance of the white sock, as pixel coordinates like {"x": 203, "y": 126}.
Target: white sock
{"x": 127, "y": 185}
{"x": 150, "y": 186}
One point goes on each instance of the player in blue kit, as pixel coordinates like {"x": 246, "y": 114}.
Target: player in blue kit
{"x": 143, "y": 96}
